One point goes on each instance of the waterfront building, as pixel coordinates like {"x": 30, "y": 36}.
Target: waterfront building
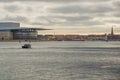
{"x": 97, "y": 37}
{"x": 112, "y": 36}
{"x": 72, "y": 37}
{"x": 83, "y": 37}
{"x": 59, "y": 37}
{"x": 13, "y": 31}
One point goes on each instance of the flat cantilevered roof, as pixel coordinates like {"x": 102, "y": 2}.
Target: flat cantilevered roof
{"x": 18, "y": 28}
{"x": 8, "y": 26}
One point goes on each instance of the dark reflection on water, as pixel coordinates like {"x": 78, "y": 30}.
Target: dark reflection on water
{"x": 60, "y": 61}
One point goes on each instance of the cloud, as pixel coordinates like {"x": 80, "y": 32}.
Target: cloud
{"x": 84, "y": 9}
{"x": 78, "y": 18}
{"x": 116, "y": 3}
{"x": 91, "y": 23}
{"x": 12, "y": 8}
{"x": 57, "y": 1}
{"x": 63, "y": 21}
{"x": 15, "y": 18}
{"x": 61, "y": 13}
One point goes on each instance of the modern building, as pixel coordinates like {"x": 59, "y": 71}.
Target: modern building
{"x": 13, "y": 31}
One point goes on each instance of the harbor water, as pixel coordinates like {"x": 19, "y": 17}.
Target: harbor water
{"x": 60, "y": 60}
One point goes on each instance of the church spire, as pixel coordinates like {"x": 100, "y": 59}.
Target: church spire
{"x": 112, "y": 32}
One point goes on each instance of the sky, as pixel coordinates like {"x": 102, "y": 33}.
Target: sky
{"x": 64, "y": 16}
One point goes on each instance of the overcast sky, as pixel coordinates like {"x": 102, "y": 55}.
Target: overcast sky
{"x": 64, "y": 16}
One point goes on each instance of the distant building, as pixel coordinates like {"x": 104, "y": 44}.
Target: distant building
{"x": 60, "y": 37}
{"x": 13, "y": 31}
{"x": 83, "y": 37}
{"x": 72, "y": 37}
{"x": 97, "y": 37}
{"x": 113, "y": 37}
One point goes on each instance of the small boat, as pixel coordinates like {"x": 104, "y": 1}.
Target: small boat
{"x": 26, "y": 46}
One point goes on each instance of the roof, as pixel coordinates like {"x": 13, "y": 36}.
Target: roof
{"x": 6, "y": 26}
{"x": 18, "y": 28}
{"x": 96, "y": 35}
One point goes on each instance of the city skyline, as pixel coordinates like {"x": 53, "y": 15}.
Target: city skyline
{"x": 64, "y": 16}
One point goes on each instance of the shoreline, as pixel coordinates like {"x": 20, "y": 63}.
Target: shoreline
{"x": 56, "y": 40}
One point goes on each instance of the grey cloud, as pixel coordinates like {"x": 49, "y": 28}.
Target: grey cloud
{"x": 74, "y": 21}
{"x": 43, "y": 24}
{"x": 68, "y": 19}
{"x": 57, "y": 0}
{"x": 37, "y": 23}
{"x": 17, "y": 18}
{"x": 113, "y": 21}
{"x": 88, "y": 12}
{"x": 12, "y": 8}
{"x": 117, "y": 14}
{"x": 116, "y": 3}
{"x": 74, "y": 18}
{"x": 78, "y": 18}
{"x": 91, "y": 23}
{"x": 29, "y": 9}
{"x": 82, "y": 9}
{"x": 103, "y": 9}
{"x": 77, "y": 21}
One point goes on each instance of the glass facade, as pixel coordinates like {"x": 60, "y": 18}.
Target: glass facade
{"x": 26, "y": 34}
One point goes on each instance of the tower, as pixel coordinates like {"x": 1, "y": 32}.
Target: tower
{"x": 112, "y": 32}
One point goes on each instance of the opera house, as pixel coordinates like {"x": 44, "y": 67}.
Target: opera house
{"x": 13, "y": 31}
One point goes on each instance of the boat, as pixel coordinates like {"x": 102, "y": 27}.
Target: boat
{"x": 26, "y": 46}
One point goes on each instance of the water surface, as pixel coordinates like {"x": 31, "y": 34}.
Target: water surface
{"x": 60, "y": 61}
